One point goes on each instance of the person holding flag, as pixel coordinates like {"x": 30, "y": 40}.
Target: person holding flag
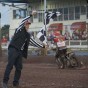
{"x": 17, "y": 49}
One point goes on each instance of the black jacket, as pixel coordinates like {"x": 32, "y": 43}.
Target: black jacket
{"x": 21, "y": 37}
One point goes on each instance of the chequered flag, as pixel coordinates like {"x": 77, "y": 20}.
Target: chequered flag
{"x": 42, "y": 33}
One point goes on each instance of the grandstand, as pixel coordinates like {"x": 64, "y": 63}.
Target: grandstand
{"x": 73, "y": 18}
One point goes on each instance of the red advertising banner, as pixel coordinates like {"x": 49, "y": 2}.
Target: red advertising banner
{"x": 78, "y": 26}
{"x": 55, "y": 27}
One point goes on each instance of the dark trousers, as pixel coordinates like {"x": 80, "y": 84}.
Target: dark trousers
{"x": 59, "y": 53}
{"x": 14, "y": 59}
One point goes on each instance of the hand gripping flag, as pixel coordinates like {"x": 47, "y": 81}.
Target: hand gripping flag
{"x": 42, "y": 33}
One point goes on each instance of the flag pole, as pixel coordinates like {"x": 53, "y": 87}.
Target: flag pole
{"x": 45, "y": 50}
{"x": 45, "y": 15}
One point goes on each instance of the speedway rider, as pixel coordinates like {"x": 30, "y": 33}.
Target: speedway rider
{"x": 61, "y": 48}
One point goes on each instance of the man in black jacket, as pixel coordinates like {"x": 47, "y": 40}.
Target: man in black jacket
{"x": 17, "y": 49}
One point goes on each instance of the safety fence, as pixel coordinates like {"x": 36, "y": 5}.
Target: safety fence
{"x": 74, "y": 44}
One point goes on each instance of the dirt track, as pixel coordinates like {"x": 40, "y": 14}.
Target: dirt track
{"x": 42, "y": 72}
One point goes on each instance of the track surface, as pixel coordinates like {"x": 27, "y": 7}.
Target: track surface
{"x": 42, "y": 72}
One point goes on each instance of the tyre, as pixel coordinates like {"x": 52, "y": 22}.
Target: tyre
{"x": 68, "y": 63}
{"x": 73, "y": 60}
{"x": 59, "y": 63}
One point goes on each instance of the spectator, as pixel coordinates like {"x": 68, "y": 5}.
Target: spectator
{"x": 4, "y": 39}
{"x": 84, "y": 36}
{"x": 75, "y": 35}
{"x": 67, "y": 36}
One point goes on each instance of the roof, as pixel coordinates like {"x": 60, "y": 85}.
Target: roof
{"x": 19, "y": 1}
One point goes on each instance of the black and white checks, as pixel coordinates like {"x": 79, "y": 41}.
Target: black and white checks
{"x": 42, "y": 33}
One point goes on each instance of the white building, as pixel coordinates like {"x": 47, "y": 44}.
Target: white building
{"x": 71, "y": 11}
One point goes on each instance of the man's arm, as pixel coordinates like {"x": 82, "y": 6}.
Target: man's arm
{"x": 36, "y": 44}
{"x": 24, "y": 20}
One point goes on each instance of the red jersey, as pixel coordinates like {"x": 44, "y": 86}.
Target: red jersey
{"x": 58, "y": 37}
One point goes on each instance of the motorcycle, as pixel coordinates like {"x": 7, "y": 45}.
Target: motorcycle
{"x": 66, "y": 59}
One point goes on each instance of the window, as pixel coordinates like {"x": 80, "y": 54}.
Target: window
{"x": 19, "y": 13}
{"x": 60, "y": 18}
{"x": 87, "y": 12}
{"x": 65, "y": 16}
{"x": 65, "y": 13}
{"x": 77, "y": 9}
{"x": 83, "y": 10}
{"x": 77, "y": 12}
{"x": 65, "y": 10}
{"x": 77, "y": 16}
{"x": 50, "y": 10}
{"x": 41, "y": 17}
{"x": 87, "y": 15}
{"x": 87, "y": 9}
{"x": 71, "y": 13}
{"x": 55, "y": 10}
